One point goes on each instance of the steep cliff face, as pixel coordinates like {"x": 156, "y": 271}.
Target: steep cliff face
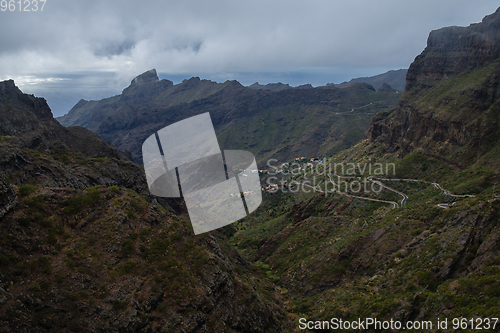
{"x": 28, "y": 122}
{"x": 454, "y": 50}
{"x": 20, "y": 112}
{"x": 451, "y": 105}
{"x": 35, "y": 148}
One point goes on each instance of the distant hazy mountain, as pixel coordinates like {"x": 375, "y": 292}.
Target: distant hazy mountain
{"x": 277, "y": 86}
{"x": 300, "y": 121}
{"x": 270, "y": 86}
{"x": 396, "y": 79}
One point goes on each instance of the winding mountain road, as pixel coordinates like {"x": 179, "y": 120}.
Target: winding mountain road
{"x": 446, "y": 192}
{"x": 362, "y": 198}
{"x": 395, "y": 204}
{"x": 404, "y": 196}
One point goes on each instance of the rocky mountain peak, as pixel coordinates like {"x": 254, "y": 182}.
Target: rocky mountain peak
{"x": 492, "y": 18}
{"x": 20, "y": 112}
{"x": 146, "y": 77}
{"x": 6, "y": 85}
{"x": 144, "y": 85}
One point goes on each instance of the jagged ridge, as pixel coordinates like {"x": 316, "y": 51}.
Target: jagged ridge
{"x": 300, "y": 121}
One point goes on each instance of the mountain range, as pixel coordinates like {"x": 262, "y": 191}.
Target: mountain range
{"x": 396, "y": 79}
{"x": 269, "y": 121}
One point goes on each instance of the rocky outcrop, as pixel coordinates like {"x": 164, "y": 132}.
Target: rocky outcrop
{"x": 456, "y": 50}
{"x": 146, "y": 77}
{"x": 143, "y": 88}
{"x": 8, "y": 197}
{"x": 35, "y": 148}
{"x": 28, "y": 122}
{"x": 20, "y": 112}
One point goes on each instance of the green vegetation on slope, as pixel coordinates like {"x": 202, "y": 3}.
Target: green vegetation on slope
{"x": 335, "y": 256}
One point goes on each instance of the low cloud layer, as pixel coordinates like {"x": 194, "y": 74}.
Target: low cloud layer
{"x": 79, "y": 46}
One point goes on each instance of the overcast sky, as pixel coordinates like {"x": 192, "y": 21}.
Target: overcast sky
{"x": 93, "y": 49}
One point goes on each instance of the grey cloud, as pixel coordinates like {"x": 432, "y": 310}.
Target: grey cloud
{"x": 318, "y": 40}
{"x": 113, "y": 48}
